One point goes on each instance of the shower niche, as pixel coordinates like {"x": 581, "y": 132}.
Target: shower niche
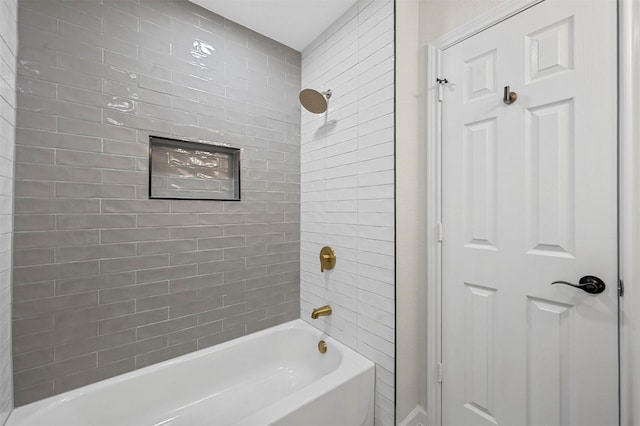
{"x": 193, "y": 170}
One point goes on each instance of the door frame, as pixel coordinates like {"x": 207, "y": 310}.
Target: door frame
{"x": 628, "y": 196}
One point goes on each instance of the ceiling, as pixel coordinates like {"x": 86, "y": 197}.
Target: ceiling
{"x": 295, "y": 23}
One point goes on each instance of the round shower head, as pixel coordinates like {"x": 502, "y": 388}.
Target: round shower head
{"x": 314, "y": 101}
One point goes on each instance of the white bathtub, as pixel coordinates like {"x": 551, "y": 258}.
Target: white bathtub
{"x": 273, "y": 377}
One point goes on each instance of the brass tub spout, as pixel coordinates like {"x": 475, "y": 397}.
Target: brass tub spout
{"x": 321, "y": 311}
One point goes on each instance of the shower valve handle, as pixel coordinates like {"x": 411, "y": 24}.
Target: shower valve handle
{"x": 327, "y": 258}
{"x": 588, "y": 283}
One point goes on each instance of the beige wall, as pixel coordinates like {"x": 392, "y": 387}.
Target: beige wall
{"x": 410, "y": 208}
{"x": 418, "y": 22}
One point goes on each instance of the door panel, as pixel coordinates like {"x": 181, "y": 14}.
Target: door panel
{"x": 549, "y": 351}
{"x": 479, "y": 371}
{"x": 549, "y": 180}
{"x": 529, "y": 197}
{"x": 479, "y": 156}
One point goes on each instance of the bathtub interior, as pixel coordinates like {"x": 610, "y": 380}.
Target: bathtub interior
{"x": 233, "y": 381}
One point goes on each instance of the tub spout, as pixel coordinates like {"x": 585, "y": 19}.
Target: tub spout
{"x": 321, "y": 311}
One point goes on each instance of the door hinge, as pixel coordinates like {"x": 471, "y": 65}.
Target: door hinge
{"x": 440, "y": 232}
{"x": 439, "y": 372}
{"x": 620, "y": 288}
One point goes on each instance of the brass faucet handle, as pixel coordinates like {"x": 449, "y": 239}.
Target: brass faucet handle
{"x": 327, "y": 258}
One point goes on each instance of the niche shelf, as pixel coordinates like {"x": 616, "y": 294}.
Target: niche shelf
{"x": 185, "y": 170}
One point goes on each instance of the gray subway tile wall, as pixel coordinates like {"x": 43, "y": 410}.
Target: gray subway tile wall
{"x": 106, "y": 280}
{"x": 8, "y": 52}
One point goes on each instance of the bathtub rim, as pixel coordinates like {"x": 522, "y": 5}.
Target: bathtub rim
{"x": 351, "y": 362}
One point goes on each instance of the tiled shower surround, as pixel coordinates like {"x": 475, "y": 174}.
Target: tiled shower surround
{"x": 105, "y": 280}
{"x": 348, "y": 188}
{"x": 8, "y": 51}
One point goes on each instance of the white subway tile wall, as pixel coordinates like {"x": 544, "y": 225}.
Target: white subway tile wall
{"x": 106, "y": 280}
{"x": 347, "y": 167}
{"x": 8, "y": 52}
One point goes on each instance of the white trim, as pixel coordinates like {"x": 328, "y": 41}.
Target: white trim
{"x": 629, "y": 137}
{"x": 433, "y": 245}
{"x": 629, "y": 104}
{"x": 496, "y": 15}
{"x": 417, "y": 417}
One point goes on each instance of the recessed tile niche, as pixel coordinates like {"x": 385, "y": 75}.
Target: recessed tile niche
{"x": 192, "y": 170}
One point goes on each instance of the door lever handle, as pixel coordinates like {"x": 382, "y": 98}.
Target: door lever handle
{"x": 588, "y": 283}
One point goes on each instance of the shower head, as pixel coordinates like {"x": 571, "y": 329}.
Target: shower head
{"x": 314, "y": 101}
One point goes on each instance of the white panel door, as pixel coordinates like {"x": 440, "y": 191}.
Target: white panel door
{"x": 529, "y": 197}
